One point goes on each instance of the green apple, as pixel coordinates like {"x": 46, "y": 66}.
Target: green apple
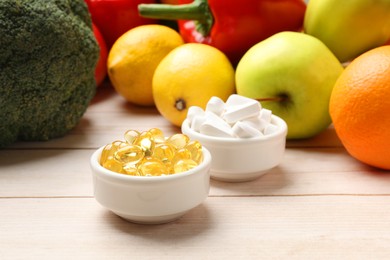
{"x": 293, "y": 75}
{"x": 349, "y": 28}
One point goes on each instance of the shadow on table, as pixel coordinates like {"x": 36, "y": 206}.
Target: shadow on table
{"x": 192, "y": 224}
{"x": 272, "y": 181}
{"x": 19, "y": 157}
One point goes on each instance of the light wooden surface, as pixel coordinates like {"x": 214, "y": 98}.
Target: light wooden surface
{"x": 319, "y": 203}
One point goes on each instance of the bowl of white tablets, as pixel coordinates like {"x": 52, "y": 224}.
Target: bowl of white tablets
{"x": 244, "y": 139}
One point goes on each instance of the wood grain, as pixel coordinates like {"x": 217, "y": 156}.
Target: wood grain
{"x": 319, "y": 203}
{"x": 221, "y": 228}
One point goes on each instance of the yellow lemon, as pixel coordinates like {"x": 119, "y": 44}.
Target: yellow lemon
{"x": 134, "y": 57}
{"x": 189, "y": 76}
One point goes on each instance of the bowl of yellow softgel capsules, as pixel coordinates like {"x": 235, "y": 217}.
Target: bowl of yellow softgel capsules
{"x": 151, "y": 178}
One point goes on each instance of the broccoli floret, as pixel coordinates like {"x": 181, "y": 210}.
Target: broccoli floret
{"x": 48, "y": 54}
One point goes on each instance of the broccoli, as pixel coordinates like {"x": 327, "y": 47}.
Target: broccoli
{"x": 48, "y": 54}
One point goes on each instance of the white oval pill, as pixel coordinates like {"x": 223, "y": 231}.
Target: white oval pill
{"x": 194, "y": 111}
{"x": 241, "y": 112}
{"x": 236, "y": 99}
{"x": 243, "y": 130}
{"x": 256, "y": 122}
{"x": 215, "y": 126}
{"x": 266, "y": 114}
{"x": 270, "y": 129}
{"x": 211, "y": 129}
{"x": 197, "y": 122}
{"x": 215, "y": 105}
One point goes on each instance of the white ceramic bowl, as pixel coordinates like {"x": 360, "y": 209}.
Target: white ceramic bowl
{"x": 151, "y": 200}
{"x": 238, "y": 160}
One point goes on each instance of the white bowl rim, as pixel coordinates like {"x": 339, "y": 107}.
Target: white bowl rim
{"x": 196, "y": 135}
{"x": 100, "y": 170}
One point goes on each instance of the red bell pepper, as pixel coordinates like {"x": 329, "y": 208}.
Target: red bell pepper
{"x": 115, "y": 17}
{"x": 230, "y": 25}
{"x": 101, "y": 66}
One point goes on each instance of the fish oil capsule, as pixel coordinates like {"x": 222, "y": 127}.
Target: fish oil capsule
{"x": 195, "y": 148}
{"x": 178, "y": 140}
{"x": 109, "y": 150}
{"x": 106, "y": 152}
{"x": 164, "y": 152}
{"x": 131, "y": 136}
{"x": 118, "y": 144}
{"x": 184, "y": 165}
{"x": 169, "y": 167}
{"x": 152, "y": 167}
{"x": 157, "y": 135}
{"x": 130, "y": 169}
{"x": 129, "y": 154}
{"x": 180, "y": 155}
{"x": 150, "y": 153}
{"x": 146, "y": 143}
{"x": 113, "y": 165}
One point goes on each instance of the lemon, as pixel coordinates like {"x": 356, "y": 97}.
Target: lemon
{"x": 134, "y": 57}
{"x": 189, "y": 76}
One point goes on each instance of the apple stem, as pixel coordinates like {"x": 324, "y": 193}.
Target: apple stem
{"x": 277, "y": 99}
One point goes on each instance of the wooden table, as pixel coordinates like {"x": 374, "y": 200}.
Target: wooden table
{"x": 319, "y": 203}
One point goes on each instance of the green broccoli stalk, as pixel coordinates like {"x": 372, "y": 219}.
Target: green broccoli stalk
{"x": 48, "y": 55}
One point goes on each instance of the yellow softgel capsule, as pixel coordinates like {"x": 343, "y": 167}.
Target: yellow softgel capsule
{"x": 152, "y": 167}
{"x": 178, "y": 140}
{"x": 110, "y": 149}
{"x": 106, "y": 152}
{"x": 184, "y": 165}
{"x": 118, "y": 144}
{"x": 150, "y": 153}
{"x": 181, "y": 154}
{"x": 131, "y": 136}
{"x": 130, "y": 169}
{"x": 157, "y": 135}
{"x": 129, "y": 154}
{"x": 164, "y": 152}
{"x": 146, "y": 143}
{"x": 113, "y": 165}
{"x": 195, "y": 148}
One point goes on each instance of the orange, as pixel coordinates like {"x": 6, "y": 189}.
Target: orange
{"x": 360, "y": 107}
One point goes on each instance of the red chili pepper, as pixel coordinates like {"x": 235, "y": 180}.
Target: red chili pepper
{"x": 115, "y": 17}
{"x": 230, "y": 25}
